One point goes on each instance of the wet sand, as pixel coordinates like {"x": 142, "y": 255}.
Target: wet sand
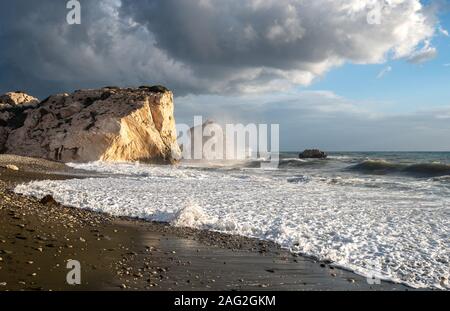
{"x": 38, "y": 238}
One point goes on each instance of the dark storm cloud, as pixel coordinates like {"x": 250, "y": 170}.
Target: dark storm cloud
{"x": 199, "y": 46}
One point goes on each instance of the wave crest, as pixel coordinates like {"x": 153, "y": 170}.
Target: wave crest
{"x": 383, "y": 167}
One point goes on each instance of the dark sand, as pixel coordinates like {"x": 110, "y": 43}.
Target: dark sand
{"x": 37, "y": 240}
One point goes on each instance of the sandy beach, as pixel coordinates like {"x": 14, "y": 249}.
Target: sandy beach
{"x": 38, "y": 238}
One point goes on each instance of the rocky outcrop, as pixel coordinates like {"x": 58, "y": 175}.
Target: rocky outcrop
{"x": 109, "y": 124}
{"x": 17, "y": 98}
{"x": 313, "y": 154}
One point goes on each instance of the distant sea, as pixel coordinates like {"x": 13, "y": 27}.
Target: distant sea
{"x": 379, "y": 214}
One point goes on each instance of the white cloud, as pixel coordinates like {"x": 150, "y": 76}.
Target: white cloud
{"x": 443, "y": 31}
{"x": 326, "y": 120}
{"x": 384, "y": 71}
{"x": 426, "y": 53}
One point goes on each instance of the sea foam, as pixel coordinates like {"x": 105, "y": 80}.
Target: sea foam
{"x": 396, "y": 229}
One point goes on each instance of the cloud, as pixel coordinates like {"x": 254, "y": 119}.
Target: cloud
{"x": 443, "y": 31}
{"x": 426, "y": 53}
{"x": 384, "y": 71}
{"x": 323, "y": 119}
{"x": 202, "y": 46}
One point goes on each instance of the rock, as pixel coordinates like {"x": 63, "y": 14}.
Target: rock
{"x": 48, "y": 200}
{"x": 17, "y": 98}
{"x": 313, "y": 154}
{"x": 10, "y": 167}
{"x": 109, "y": 124}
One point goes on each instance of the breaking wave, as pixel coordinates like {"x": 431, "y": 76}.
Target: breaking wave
{"x": 383, "y": 167}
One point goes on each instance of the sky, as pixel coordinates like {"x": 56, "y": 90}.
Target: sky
{"x": 340, "y": 75}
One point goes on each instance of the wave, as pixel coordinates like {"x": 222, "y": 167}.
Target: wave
{"x": 295, "y": 163}
{"x": 303, "y": 214}
{"x": 383, "y": 167}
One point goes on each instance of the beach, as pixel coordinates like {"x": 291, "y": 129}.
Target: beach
{"x": 121, "y": 253}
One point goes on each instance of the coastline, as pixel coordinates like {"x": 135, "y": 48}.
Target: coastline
{"x": 36, "y": 240}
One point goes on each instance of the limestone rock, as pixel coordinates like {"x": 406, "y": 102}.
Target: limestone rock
{"x": 12, "y": 107}
{"x": 17, "y": 98}
{"x": 313, "y": 154}
{"x": 109, "y": 124}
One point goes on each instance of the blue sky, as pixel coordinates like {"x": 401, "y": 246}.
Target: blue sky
{"x": 407, "y": 87}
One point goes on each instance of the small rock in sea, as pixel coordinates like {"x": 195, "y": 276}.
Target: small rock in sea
{"x": 123, "y": 286}
{"x": 333, "y": 275}
{"x": 3, "y": 283}
{"x": 1, "y": 259}
{"x": 82, "y": 240}
{"x": 351, "y": 280}
{"x": 270, "y": 270}
{"x": 48, "y": 200}
{"x": 30, "y": 262}
{"x": 313, "y": 154}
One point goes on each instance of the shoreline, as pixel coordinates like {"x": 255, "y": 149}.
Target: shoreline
{"x": 119, "y": 253}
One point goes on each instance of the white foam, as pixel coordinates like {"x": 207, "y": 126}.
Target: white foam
{"x": 403, "y": 229}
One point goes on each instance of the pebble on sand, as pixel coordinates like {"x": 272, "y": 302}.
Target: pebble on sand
{"x": 48, "y": 200}
{"x": 10, "y": 167}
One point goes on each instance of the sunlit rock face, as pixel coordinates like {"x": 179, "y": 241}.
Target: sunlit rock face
{"x": 109, "y": 124}
{"x": 16, "y": 98}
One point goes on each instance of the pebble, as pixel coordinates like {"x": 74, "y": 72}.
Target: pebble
{"x": 11, "y": 167}
{"x": 48, "y": 200}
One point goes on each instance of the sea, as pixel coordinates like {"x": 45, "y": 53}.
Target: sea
{"x": 383, "y": 215}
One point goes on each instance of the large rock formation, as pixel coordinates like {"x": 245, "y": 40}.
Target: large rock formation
{"x": 109, "y": 124}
